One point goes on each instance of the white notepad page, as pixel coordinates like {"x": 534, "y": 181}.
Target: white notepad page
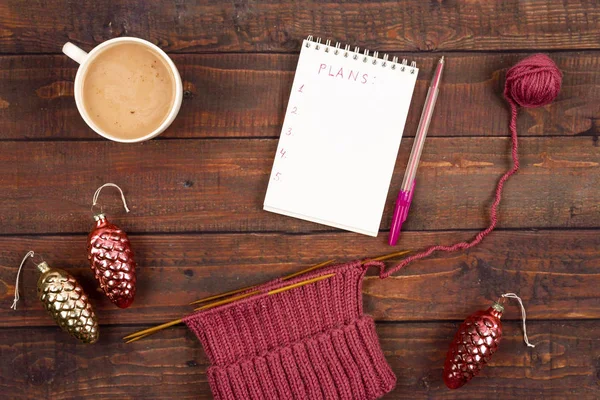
{"x": 340, "y": 138}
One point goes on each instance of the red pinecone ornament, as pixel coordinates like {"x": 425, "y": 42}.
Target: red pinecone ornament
{"x": 473, "y": 345}
{"x": 111, "y": 259}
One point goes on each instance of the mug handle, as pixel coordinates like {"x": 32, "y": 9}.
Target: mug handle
{"x": 74, "y": 52}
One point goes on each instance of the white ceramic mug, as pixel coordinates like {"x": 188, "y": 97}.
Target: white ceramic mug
{"x": 86, "y": 59}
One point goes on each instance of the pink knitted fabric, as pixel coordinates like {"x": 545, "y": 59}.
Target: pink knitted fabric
{"x": 310, "y": 342}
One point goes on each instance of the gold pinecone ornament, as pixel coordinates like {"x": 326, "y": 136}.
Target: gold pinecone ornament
{"x": 65, "y": 300}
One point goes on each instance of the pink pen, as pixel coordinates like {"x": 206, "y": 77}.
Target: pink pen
{"x": 408, "y": 184}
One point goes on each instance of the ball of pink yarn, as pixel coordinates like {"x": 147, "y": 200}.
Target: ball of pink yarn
{"x": 535, "y": 81}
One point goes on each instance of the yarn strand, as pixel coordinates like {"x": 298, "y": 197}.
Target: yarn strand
{"x": 533, "y": 82}
{"x": 493, "y": 211}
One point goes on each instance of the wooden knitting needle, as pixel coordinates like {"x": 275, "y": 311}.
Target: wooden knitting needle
{"x": 232, "y": 299}
{"x": 388, "y": 256}
{"x": 252, "y": 293}
{"x": 288, "y": 277}
{"x": 147, "y": 332}
{"x": 135, "y": 339}
{"x": 226, "y": 301}
{"x": 232, "y": 292}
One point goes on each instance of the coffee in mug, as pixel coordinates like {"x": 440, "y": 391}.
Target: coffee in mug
{"x": 126, "y": 89}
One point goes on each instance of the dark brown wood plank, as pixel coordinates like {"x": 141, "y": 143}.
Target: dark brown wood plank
{"x": 44, "y": 26}
{"x": 219, "y": 185}
{"x": 556, "y": 272}
{"x": 241, "y": 95}
{"x": 45, "y": 363}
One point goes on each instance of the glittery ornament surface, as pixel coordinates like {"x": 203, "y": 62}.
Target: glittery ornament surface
{"x": 473, "y": 345}
{"x": 111, "y": 259}
{"x": 64, "y": 298}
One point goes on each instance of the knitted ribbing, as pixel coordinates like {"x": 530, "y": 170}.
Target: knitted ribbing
{"x": 310, "y": 342}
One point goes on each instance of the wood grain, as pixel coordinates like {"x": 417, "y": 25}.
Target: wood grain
{"x": 556, "y": 272}
{"x": 46, "y": 363}
{"x": 219, "y": 185}
{"x": 196, "y": 193}
{"x": 279, "y": 25}
{"x": 245, "y": 95}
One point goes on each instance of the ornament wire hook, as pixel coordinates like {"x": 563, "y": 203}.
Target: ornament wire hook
{"x": 97, "y": 194}
{"x": 523, "y": 316}
{"x": 39, "y": 256}
{"x": 30, "y": 253}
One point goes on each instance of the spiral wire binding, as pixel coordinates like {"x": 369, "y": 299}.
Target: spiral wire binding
{"x": 375, "y": 60}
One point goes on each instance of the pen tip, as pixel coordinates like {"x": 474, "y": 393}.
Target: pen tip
{"x": 442, "y": 60}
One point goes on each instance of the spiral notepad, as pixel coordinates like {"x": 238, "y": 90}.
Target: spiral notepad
{"x": 340, "y": 137}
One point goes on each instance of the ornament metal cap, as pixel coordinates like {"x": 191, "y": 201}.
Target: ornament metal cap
{"x": 99, "y": 217}
{"x": 43, "y": 267}
{"x": 498, "y": 307}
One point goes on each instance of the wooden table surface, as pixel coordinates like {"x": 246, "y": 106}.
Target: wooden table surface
{"x": 196, "y": 192}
